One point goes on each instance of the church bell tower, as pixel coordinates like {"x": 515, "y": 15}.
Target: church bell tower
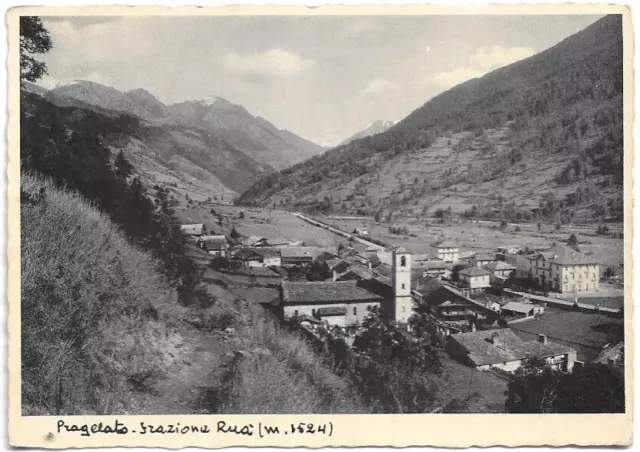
{"x": 403, "y": 302}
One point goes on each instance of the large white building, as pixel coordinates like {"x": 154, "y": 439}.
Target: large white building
{"x": 447, "y": 251}
{"x": 564, "y": 270}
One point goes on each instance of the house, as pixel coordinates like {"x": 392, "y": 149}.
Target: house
{"x": 510, "y": 249}
{"x": 218, "y": 245}
{"x": 502, "y": 349}
{"x": 612, "y": 355}
{"x": 456, "y": 311}
{"x": 339, "y": 303}
{"x": 255, "y": 240}
{"x": 249, "y": 257}
{"x": 298, "y": 255}
{"x": 501, "y": 270}
{"x": 193, "y": 229}
{"x": 520, "y": 263}
{"x": 270, "y": 256}
{"x": 563, "y": 270}
{"x": 474, "y": 278}
{"x": 521, "y": 310}
{"x": 437, "y": 269}
{"x": 482, "y": 259}
{"x": 447, "y": 251}
{"x": 361, "y": 232}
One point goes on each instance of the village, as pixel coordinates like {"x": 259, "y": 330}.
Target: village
{"x": 495, "y": 311}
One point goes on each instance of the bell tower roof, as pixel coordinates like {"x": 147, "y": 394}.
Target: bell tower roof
{"x": 401, "y": 250}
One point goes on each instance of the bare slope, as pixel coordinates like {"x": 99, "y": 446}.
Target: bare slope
{"x": 253, "y": 135}
{"x": 541, "y": 138}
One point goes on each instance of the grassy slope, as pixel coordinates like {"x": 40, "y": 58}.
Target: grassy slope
{"x": 94, "y": 310}
{"x": 102, "y": 332}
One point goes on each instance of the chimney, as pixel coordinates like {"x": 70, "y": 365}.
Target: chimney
{"x": 542, "y": 338}
{"x": 473, "y": 327}
{"x": 335, "y": 275}
{"x": 369, "y": 265}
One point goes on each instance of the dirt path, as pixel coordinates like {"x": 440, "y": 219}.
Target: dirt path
{"x": 191, "y": 373}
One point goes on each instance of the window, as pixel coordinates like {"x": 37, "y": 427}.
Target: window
{"x": 295, "y": 313}
{"x": 355, "y": 310}
{"x": 403, "y": 286}
{"x": 403, "y": 261}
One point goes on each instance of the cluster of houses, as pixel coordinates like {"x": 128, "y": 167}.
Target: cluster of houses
{"x": 560, "y": 268}
{"x": 387, "y": 279}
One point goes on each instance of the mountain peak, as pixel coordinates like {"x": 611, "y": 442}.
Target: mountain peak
{"x": 214, "y": 101}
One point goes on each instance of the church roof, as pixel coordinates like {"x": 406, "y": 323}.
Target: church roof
{"x": 325, "y": 292}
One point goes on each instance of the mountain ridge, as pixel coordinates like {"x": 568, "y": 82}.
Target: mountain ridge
{"x": 539, "y": 138}
{"x": 252, "y": 135}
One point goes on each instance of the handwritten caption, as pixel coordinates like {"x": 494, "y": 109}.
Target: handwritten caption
{"x": 260, "y": 429}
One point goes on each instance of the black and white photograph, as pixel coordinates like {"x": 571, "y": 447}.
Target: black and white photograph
{"x": 322, "y": 214}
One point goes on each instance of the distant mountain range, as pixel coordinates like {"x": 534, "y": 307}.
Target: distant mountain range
{"x": 541, "y": 138}
{"x": 211, "y": 140}
{"x": 255, "y": 136}
{"x": 372, "y": 129}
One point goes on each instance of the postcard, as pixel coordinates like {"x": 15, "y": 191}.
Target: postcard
{"x": 349, "y": 226}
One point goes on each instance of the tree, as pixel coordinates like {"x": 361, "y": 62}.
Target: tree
{"x": 594, "y": 388}
{"x": 573, "y": 241}
{"x": 533, "y": 389}
{"x": 455, "y": 270}
{"x": 34, "y": 40}
{"x": 122, "y": 166}
{"x": 397, "y": 371}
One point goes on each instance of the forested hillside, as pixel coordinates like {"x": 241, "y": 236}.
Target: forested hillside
{"x": 541, "y": 138}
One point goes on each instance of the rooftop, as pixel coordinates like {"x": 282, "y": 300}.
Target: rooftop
{"x": 446, "y": 244}
{"x": 485, "y": 257}
{"x": 516, "y": 306}
{"x": 508, "y": 347}
{"x": 247, "y": 254}
{"x": 322, "y": 292}
{"x": 564, "y": 255}
{"x": 587, "y": 333}
{"x": 498, "y": 265}
{"x": 252, "y": 240}
{"x": 474, "y": 271}
{"x": 268, "y": 252}
{"x": 300, "y": 251}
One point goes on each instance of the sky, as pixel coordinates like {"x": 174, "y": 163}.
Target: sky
{"x": 321, "y": 77}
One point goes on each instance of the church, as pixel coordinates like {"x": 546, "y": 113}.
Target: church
{"x": 345, "y": 301}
